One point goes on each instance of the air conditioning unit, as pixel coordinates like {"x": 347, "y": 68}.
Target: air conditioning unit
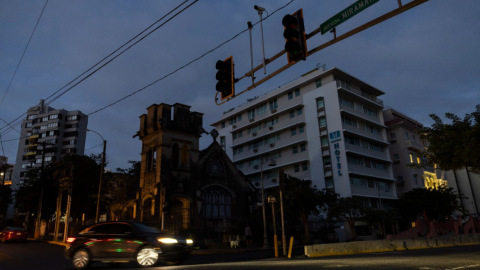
{"x": 255, "y": 150}
{"x": 274, "y": 180}
{"x": 274, "y": 111}
{"x": 272, "y": 145}
{"x": 270, "y": 127}
{"x": 254, "y": 134}
{"x": 234, "y": 126}
{"x": 252, "y": 119}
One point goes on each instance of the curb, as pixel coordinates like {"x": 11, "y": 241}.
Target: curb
{"x": 49, "y": 242}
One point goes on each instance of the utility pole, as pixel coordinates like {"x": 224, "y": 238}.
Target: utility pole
{"x": 40, "y": 198}
{"x": 69, "y": 202}
{"x": 101, "y": 172}
{"x": 281, "y": 186}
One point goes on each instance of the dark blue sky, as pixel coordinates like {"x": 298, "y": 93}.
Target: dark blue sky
{"x": 425, "y": 60}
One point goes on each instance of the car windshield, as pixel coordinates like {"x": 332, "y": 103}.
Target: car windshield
{"x": 142, "y": 228}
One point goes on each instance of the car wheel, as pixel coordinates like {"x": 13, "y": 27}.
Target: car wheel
{"x": 147, "y": 256}
{"x": 81, "y": 258}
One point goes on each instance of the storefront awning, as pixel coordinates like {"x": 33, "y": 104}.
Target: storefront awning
{"x": 33, "y": 137}
{"x": 31, "y": 153}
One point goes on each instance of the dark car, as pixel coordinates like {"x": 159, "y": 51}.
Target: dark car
{"x": 126, "y": 241}
{"x": 13, "y": 234}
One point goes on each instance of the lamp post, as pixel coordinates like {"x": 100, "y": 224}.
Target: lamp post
{"x": 101, "y": 172}
{"x": 265, "y": 239}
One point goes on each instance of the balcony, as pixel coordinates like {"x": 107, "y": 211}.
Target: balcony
{"x": 366, "y": 152}
{"x": 359, "y": 92}
{"x": 375, "y": 173}
{"x": 358, "y": 113}
{"x": 364, "y": 133}
{"x": 412, "y": 145}
{"x": 372, "y": 192}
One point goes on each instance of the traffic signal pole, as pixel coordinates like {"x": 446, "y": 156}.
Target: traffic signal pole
{"x": 393, "y": 13}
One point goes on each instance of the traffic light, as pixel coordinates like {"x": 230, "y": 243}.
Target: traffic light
{"x": 295, "y": 38}
{"x": 226, "y": 82}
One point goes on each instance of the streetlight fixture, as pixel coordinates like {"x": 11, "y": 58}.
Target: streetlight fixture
{"x": 271, "y": 164}
{"x": 101, "y": 172}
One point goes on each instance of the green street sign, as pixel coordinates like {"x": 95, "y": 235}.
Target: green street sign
{"x": 346, "y": 14}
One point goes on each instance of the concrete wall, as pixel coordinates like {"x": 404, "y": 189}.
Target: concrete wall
{"x": 387, "y": 245}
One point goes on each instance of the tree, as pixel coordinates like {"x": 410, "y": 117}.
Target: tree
{"x": 300, "y": 200}
{"x": 454, "y": 146}
{"x": 437, "y": 204}
{"x": 348, "y": 209}
{"x": 121, "y": 189}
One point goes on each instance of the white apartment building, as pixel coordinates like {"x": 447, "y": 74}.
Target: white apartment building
{"x": 63, "y": 132}
{"x": 326, "y": 127}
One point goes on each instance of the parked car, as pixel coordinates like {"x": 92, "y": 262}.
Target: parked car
{"x": 13, "y": 234}
{"x": 126, "y": 241}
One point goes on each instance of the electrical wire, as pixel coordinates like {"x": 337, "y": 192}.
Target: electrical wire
{"x": 182, "y": 67}
{"x": 104, "y": 58}
{"x": 21, "y": 58}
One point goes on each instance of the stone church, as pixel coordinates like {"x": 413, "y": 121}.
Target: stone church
{"x": 184, "y": 189}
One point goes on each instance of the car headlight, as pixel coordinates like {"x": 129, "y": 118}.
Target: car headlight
{"x": 189, "y": 241}
{"x": 167, "y": 240}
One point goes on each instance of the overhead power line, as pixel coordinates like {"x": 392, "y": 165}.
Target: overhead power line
{"x": 189, "y": 63}
{"x": 21, "y": 58}
{"x": 105, "y": 59}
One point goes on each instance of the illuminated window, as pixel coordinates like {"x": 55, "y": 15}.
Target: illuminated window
{"x": 418, "y": 160}
{"x": 411, "y": 158}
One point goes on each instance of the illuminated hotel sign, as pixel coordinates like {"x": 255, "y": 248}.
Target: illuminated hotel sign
{"x": 334, "y": 137}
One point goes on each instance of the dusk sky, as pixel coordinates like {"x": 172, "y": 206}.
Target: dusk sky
{"x": 426, "y": 60}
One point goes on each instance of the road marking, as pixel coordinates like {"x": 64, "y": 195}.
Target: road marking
{"x": 469, "y": 266}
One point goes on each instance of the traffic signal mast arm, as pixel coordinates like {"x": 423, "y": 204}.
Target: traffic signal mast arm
{"x": 359, "y": 29}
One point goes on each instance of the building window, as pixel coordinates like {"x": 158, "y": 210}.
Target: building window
{"x": 396, "y": 157}
{"x": 273, "y": 104}
{"x": 418, "y": 160}
{"x": 239, "y": 118}
{"x": 30, "y": 117}
{"x": 299, "y": 111}
{"x": 411, "y": 158}
{"x": 292, "y": 114}
{"x": 295, "y": 149}
{"x": 184, "y": 157}
{"x": 45, "y": 119}
{"x": 55, "y": 116}
{"x": 400, "y": 179}
{"x": 290, "y": 95}
{"x": 38, "y": 160}
{"x": 327, "y": 161}
{"x": 175, "y": 156}
{"x": 251, "y": 114}
{"x": 413, "y": 138}
{"x": 52, "y": 125}
{"x": 297, "y": 92}
{"x": 72, "y": 117}
{"x": 347, "y": 102}
{"x": 324, "y": 141}
{"x": 240, "y": 149}
{"x": 301, "y": 129}
{"x": 293, "y": 131}
{"x": 302, "y": 147}
{"x": 349, "y": 121}
{"x": 233, "y": 121}
{"x": 318, "y": 83}
{"x": 234, "y": 135}
{"x": 43, "y": 127}
{"x": 406, "y": 136}
{"x": 27, "y": 125}
{"x": 261, "y": 109}
{"x": 217, "y": 203}
{"x": 369, "y": 111}
{"x": 305, "y": 166}
{"x": 48, "y": 158}
{"x": 235, "y": 151}
{"x": 223, "y": 124}
{"x": 320, "y": 103}
{"x": 328, "y": 182}
{"x": 296, "y": 168}
{"x": 322, "y": 122}
{"x": 415, "y": 179}
{"x": 239, "y": 134}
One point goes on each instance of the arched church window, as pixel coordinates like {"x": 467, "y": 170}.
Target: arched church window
{"x": 184, "y": 157}
{"x": 147, "y": 208}
{"x": 175, "y": 156}
{"x": 217, "y": 203}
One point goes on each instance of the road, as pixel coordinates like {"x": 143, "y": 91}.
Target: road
{"x": 43, "y": 256}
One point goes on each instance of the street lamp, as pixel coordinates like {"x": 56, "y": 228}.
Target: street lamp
{"x": 101, "y": 172}
{"x": 271, "y": 164}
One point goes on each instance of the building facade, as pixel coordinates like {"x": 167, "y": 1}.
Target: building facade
{"x": 62, "y": 132}
{"x": 326, "y": 127}
{"x": 183, "y": 188}
{"x": 6, "y": 171}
